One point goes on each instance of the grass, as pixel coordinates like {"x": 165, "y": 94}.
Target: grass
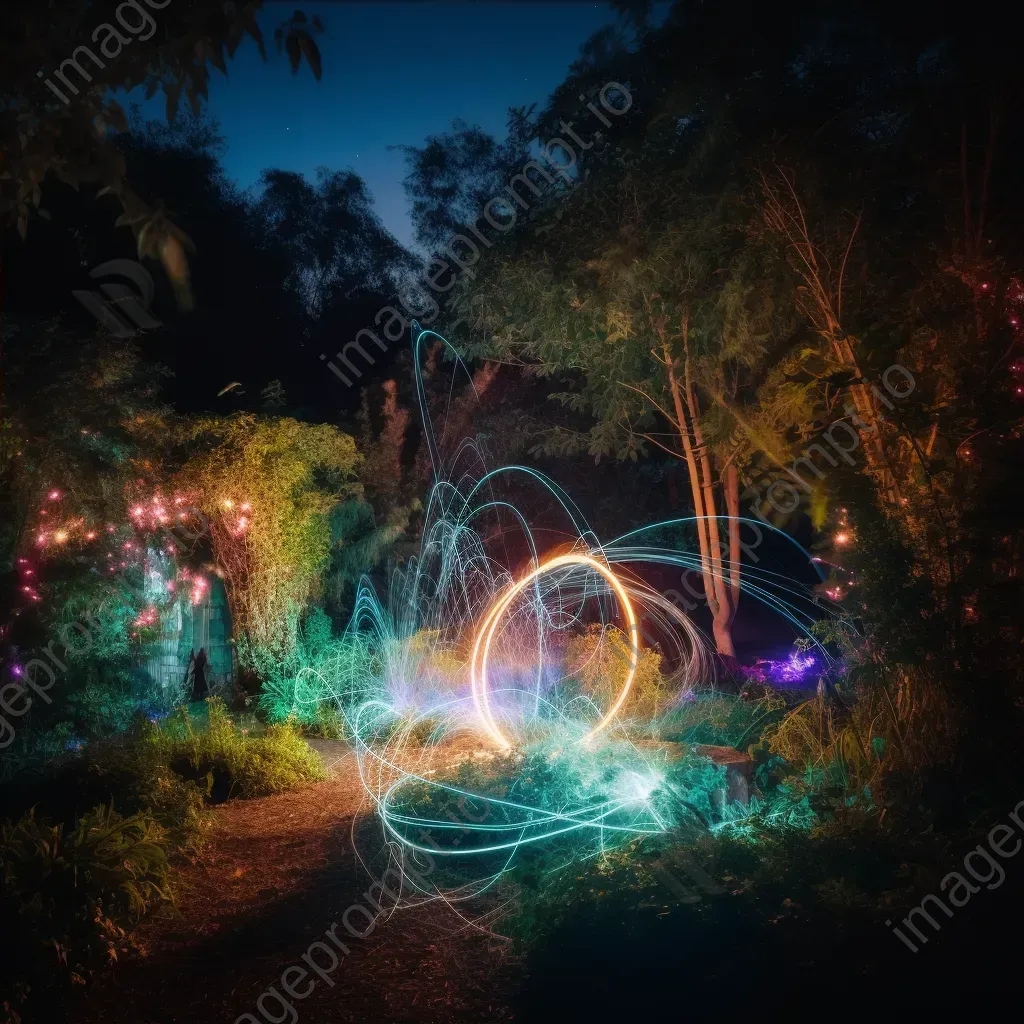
{"x": 234, "y": 762}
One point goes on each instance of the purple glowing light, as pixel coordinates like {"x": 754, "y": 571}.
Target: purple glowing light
{"x": 794, "y": 669}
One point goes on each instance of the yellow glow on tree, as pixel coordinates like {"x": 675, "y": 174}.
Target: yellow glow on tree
{"x": 267, "y": 486}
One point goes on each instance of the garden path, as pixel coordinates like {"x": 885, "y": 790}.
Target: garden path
{"x": 276, "y": 873}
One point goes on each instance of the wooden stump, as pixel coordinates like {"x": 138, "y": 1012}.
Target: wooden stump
{"x": 739, "y": 774}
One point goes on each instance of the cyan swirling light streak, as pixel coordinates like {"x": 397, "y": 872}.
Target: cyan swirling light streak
{"x": 464, "y": 662}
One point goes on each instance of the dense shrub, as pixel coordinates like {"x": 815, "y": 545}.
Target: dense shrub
{"x": 327, "y": 725}
{"x": 232, "y": 762}
{"x": 68, "y": 895}
{"x": 599, "y": 660}
{"x": 720, "y": 719}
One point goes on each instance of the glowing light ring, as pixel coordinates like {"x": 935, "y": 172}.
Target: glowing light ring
{"x": 489, "y": 625}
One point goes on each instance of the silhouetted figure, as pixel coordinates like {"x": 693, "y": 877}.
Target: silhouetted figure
{"x": 199, "y": 687}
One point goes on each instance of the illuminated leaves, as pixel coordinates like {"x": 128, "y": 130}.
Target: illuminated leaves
{"x": 291, "y": 475}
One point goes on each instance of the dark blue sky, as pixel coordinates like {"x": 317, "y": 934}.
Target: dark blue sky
{"x": 393, "y": 73}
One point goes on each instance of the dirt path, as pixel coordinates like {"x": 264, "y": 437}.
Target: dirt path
{"x": 277, "y": 873}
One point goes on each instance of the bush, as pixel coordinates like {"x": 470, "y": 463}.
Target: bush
{"x": 327, "y": 725}
{"x": 71, "y": 890}
{"x": 169, "y": 770}
{"x": 719, "y": 719}
{"x": 231, "y": 762}
{"x": 599, "y": 661}
{"x": 128, "y": 773}
{"x": 68, "y": 897}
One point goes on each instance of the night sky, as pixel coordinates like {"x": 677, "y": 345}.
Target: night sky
{"x": 393, "y": 73}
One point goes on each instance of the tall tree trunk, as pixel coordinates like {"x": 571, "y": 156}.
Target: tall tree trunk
{"x": 718, "y": 591}
{"x": 723, "y": 609}
{"x": 731, "y": 486}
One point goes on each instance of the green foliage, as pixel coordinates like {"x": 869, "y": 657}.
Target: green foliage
{"x": 679, "y": 790}
{"x": 750, "y": 875}
{"x": 71, "y": 891}
{"x": 719, "y": 719}
{"x": 109, "y": 414}
{"x": 642, "y": 267}
{"x": 290, "y": 475}
{"x": 171, "y": 770}
{"x": 128, "y": 772}
{"x": 70, "y": 895}
{"x": 233, "y": 764}
{"x": 546, "y": 899}
{"x": 300, "y": 687}
{"x": 359, "y": 544}
{"x": 328, "y": 724}
{"x": 599, "y": 661}
{"x": 230, "y": 763}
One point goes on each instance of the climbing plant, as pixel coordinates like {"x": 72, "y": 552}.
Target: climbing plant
{"x": 267, "y": 486}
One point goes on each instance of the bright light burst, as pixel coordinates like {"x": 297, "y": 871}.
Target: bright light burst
{"x": 485, "y": 637}
{"x": 474, "y": 734}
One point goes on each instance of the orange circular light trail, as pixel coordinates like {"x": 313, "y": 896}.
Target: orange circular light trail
{"x": 489, "y": 625}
